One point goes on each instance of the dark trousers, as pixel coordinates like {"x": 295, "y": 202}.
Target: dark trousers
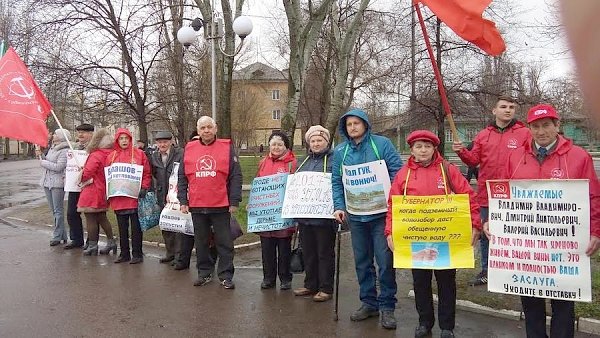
{"x": 136, "y": 235}
{"x": 276, "y": 255}
{"x": 318, "y": 242}
{"x": 170, "y": 243}
{"x": 74, "y": 218}
{"x": 446, "y": 284}
{"x": 186, "y": 245}
{"x": 563, "y": 317}
{"x": 204, "y": 225}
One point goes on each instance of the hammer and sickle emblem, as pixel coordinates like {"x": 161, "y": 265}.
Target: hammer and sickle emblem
{"x": 23, "y": 91}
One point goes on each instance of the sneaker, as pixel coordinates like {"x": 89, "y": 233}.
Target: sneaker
{"x": 480, "y": 279}
{"x": 422, "y": 332}
{"x": 267, "y": 285}
{"x": 447, "y": 334}
{"x": 363, "y": 313}
{"x": 285, "y": 285}
{"x": 201, "y": 281}
{"x": 228, "y": 284}
{"x": 388, "y": 320}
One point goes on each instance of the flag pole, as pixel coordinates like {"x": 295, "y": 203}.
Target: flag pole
{"x": 61, "y": 129}
{"x": 438, "y": 75}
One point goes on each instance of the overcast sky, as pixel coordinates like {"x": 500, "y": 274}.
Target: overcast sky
{"x": 525, "y": 40}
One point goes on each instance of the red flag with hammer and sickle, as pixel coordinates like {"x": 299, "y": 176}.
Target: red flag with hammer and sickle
{"x": 23, "y": 107}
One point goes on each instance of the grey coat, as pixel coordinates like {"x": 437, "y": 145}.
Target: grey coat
{"x": 54, "y": 166}
{"x": 161, "y": 172}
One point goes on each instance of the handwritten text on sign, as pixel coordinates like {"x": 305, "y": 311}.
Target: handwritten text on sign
{"x": 540, "y": 230}
{"x": 308, "y": 195}
{"x": 432, "y": 232}
{"x": 264, "y": 205}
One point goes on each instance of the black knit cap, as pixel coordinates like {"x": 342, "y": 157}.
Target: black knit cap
{"x": 286, "y": 140}
{"x": 85, "y": 127}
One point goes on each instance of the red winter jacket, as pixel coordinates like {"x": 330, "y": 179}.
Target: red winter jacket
{"x": 94, "y": 195}
{"x": 566, "y": 161}
{"x": 490, "y": 151}
{"x": 119, "y": 155}
{"x": 425, "y": 181}
{"x": 270, "y": 166}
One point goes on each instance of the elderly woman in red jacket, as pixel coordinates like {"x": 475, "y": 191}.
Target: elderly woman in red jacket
{"x": 421, "y": 177}
{"x": 126, "y": 207}
{"x": 92, "y": 201}
{"x": 276, "y": 245}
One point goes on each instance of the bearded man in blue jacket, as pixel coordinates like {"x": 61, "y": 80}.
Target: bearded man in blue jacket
{"x": 363, "y": 167}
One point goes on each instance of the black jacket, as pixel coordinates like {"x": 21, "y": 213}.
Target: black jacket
{"x": 161, "y": 172}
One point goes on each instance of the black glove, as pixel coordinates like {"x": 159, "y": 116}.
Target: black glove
{"x": 142, "y": 193}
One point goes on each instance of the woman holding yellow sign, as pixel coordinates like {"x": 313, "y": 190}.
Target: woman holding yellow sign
{"x": 426, "y": 242}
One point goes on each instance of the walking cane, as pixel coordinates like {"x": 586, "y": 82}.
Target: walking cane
{"x": 337, "y": 272}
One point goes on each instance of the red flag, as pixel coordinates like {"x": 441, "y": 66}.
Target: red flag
{"x": 464, "y": 17}
{"x": 23, "y": 107}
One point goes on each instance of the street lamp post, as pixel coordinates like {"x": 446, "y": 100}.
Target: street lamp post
{"x": 242, "y": 26}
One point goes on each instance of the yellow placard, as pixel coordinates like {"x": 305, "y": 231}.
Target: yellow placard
{"x": 432, "y": 232}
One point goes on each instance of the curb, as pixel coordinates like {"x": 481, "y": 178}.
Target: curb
{"x": 584, "y": 325}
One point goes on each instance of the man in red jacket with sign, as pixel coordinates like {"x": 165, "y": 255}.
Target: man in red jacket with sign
{"x": 210, "y": 187}
{"x": 548, "y": 155}
{"x": 491, "y": 148}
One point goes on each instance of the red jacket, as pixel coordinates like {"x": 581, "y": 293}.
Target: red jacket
{"x": 119, "y": 155}
{"x": 424, "y": 181}
{"x": 270, "y": 166}
{"x": 566, "y": 161}
{"x": 490, "y": 151}
{"x": 94, "y": 195}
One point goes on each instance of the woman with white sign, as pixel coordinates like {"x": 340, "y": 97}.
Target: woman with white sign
{"x": 126, "y": 160}
{"x": 53, "y": 181}
{"x": 92, "y": 200}
{"x": 317, "y": 235}
{"x": 428, "y": 174}
{"x": 276, "y": 245}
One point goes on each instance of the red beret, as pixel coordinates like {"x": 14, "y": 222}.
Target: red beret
{"x": 541, "y": 111}
{"x": 423, "y": 135}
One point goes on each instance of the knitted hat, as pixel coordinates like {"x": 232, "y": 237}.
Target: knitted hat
{"x": 282, "y": 136}
{"x": 317, "y": 130}
{"x": 422, "y": 135}
{"x": 61, "y": 133}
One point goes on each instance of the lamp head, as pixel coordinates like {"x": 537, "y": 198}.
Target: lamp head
{"x": 242, "y": 26}
{"x": 186, "y": 35}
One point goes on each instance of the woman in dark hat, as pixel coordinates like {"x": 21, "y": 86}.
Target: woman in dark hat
{"x": 276, "y": 245}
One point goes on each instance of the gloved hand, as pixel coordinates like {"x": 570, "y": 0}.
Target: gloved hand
{"x": 142, "y": 193}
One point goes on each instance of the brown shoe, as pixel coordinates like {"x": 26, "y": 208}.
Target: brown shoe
{"x": 322, "y": 297}
{"x": 304, "y": 292}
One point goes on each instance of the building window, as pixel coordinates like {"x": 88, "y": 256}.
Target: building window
{"x": 275, "y": 94}
{"x": 449, "y": 136}
{"x": 276, "y": 113}
{"x": 241, "y": 95}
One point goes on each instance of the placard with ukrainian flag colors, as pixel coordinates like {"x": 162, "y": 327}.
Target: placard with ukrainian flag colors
{"x": 432, "y": 232}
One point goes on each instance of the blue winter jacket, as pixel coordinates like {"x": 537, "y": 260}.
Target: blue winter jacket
{"x": 360, "y": 153}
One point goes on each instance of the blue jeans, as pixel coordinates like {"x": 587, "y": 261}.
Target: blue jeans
{"x": 368, "y": 241}
{"x": 56, "y": 197}
{"x": 484, "y": 243}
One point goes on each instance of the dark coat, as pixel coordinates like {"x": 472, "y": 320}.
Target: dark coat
{"x": 161, "y": 172}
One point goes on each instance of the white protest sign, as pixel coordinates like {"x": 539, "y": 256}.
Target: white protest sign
{"x": 308, "y": 194}
{"x": 540, "y": 230}
{"x": 123, "y": 179}
{"x": 75, "y": 161}
{"x": 366, "y": 187}
{"x": 171, "y": 218}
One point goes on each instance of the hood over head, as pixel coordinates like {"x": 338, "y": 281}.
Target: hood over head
{"x": 361, "y": 114}
{"x": 119, "y": 132}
